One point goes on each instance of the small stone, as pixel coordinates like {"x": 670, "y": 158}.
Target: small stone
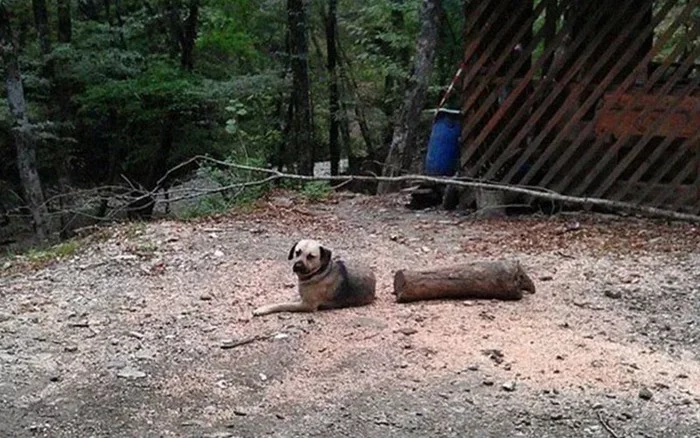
{"x": 682, "y": 376}
{"x": 228, "y": 343}
{"x": 488, "y": 382}
{"x": 279, "y": 336}
{"x": 645, "y": 394}
{"x": 509, "y": 386}
{"x": 403, "y": 365}
{"x": 468, "y": 303}
{"x": 556, "y": 416}
{"x": 473, "y": 367}
{"x": 145, "y": 354}
{"x": 136, "y": 335}
{"x": 55, "y": 378}
{"x": 70, "y": 348}
{"x": 205, "y": 297}
{"x": 218, "y": 253}
{"x": 5, "y": 317}
{"x": 407, "y": 331}
{"x": 614, "y": 294}
{"x": 240, "y": 412}
{"x": 219, "y": 435}
{"x": 598, "y": 406}
{"x": 263, "y": 377}
{"x": 131, "y": 373}
{"x": 546, "y": 278}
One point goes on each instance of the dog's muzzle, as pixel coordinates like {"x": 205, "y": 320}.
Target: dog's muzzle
{"x": 299, "y": 268}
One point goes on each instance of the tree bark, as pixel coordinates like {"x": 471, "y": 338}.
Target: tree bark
{"x": 403, "y": 142}
{"x": 392, "y": 83}
{"x": 189, "y": 35}
{"x": 65, "y": 24}
{"x": 334, "y": 95}
{"x": 41, "y": 21}
{"x": 24, "y": 139}
{"x": 500, "y": 279}
{"x": 301, "y": 129}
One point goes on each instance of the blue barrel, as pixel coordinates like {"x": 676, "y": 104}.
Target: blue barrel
{"x": 442, "y": 158}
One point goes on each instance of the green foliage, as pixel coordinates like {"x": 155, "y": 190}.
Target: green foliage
{"x": 317, "y": 190}
{"x": 120, "y": 84}
{"x": 53, "y": 253}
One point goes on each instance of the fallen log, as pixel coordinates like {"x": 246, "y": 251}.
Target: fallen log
{"x": 500, "y": 280}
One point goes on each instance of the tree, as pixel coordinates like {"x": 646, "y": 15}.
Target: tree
{"x": 65, "y": 26}
{"x": 301, "y": 126}
{"x": 333, "y": 93}
{"x": 22, "y": 129}
{"x": 403, "y": 143}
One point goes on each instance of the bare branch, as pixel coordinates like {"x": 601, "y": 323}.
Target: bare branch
{"x": 537, "y": 193}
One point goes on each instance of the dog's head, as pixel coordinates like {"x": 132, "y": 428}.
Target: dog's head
{"x": 309, "y": 257}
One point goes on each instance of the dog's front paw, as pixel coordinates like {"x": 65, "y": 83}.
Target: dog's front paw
{"x": 260, "y": 311}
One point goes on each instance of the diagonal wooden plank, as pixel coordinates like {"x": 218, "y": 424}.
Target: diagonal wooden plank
{"x": 652, "y": 129}
{"x": 658, "y": 74}
{"x": 474, "y": 94}
{"x": 522, "y": 112}
{"x": 686, "y": 172}
{"x": 659, "y": 152}
{"x": 664, "y": 169}
{"x": 588, "y": 103}
{"x": 603, "y": 159}
{"x": 474, "y": 44}
{"x": 579, "y": 62}
{"x": 571, "y": 100}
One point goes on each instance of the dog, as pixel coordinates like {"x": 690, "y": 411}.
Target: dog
{"x": 325, "y": 283}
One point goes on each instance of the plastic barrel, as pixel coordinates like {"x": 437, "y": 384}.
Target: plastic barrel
{"x": 442, "y": 157}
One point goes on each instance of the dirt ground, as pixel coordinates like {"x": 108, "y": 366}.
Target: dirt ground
{"x": 136, "y": 333}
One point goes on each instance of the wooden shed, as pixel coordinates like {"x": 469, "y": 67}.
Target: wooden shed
{"x": 593, "y": 98}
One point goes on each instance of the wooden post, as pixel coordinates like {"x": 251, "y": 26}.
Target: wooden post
{"x": 500, "y": 279}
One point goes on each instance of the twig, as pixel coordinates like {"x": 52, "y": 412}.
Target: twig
{"x": 244, "y": 341}
{"x": 607, "y": 427}
{"x": 342, "y": 184}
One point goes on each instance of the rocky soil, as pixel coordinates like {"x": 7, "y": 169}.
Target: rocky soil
{"x": 147, "y": 330}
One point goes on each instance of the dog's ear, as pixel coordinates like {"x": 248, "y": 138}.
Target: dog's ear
{"x": 325, "y": 254}
{"x": 291, "y": 251}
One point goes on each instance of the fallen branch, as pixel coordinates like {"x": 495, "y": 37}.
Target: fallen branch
{"x": 117, "y": 192}
{"x": 537, "y": 193}
{"x": 227, "y": 345}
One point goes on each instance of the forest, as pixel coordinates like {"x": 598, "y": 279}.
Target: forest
{"x": 103, "y": 97}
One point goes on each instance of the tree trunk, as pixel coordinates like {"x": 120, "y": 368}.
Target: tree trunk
{"x": 392, "y": 83}
{"x": 189, "y": 35}
{"x": 334, "y": 130}
{"x": 499, "y": 280}
{"x": 301, "y": 135}
{"x": 41, "y": 20}
{"x": 65, "y": 25}
{"x": 403, "y": 143}
{"x": 22, "y": 134}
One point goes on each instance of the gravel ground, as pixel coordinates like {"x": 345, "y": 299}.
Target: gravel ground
{"x": 138, "y": 333}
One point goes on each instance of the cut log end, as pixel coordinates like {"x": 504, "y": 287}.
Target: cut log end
{"x": 500, "y": 280}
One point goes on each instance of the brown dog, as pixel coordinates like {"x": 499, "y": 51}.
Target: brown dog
{"x": 325, "y": 283}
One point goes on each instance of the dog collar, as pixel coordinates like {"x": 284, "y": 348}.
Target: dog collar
{"x": 322, "y": 269}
